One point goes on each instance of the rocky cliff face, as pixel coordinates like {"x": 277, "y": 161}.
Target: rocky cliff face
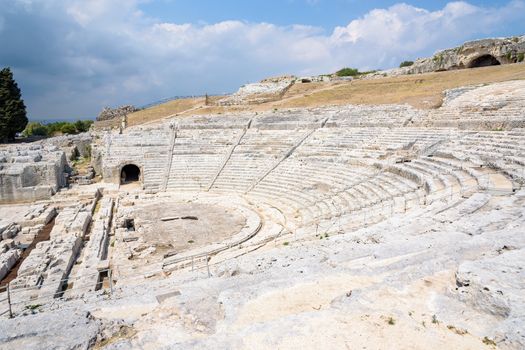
{"x": 113, "y": 113}
{"x": 479, "y": 53}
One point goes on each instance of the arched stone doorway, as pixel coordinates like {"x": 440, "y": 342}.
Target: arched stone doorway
{"x": 129, "y": 173}
{"x": 484, "y": 61}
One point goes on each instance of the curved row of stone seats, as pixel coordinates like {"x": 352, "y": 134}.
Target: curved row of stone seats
{"x": 371, "y": 202}
{"x": 472, "y": 120}
{"x": 434, "y": 180}
{"x": 314, "y": 191}
{"x": 504, "y": 151}
{"x": 416, "y": 139}
{"x": 218, "y": 122}
{"x": 498, "y": 105}
{"x": 372, "y": 116}
{"x": 370, "y": 142}
{"x": 446, "y": 177}
{"x": 457, "y": 178}
{"x": 297, "y": 183}
{"x": 339, "y": 143}
{"x": 197, "y": 156}
{"x": 289, "y": 120}
{"x": 257, "y": 152}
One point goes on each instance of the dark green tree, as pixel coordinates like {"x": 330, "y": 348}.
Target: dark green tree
{"x": 13, "y": 117}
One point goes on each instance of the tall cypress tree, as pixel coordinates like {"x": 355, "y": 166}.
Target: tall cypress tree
{"x": 13, "y": 117}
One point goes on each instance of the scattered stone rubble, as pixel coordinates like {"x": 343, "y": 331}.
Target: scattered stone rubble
{"x": 21, "y": 230}
{"x": 47, "y": 266}
{"x": 36, "y": 171}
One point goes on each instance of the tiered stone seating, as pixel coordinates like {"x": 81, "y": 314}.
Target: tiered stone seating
{"x": 501, "y": 150}
{"x": 257, "y": 152}
{"x": 340, "y": 143}
{"x": 296, "y": 184}
{"x": 198, "y": 156}
{"x": 415, "y": 139}
{"x": 323, "y": 163}
{"x": 381, "y": 188}
{"x": 494, "y": 106}
{"x": 372, "y": 116}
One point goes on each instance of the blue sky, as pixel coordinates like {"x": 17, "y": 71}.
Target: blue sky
{"x": 323, "y": 13}
{"x": 73, "y": 57}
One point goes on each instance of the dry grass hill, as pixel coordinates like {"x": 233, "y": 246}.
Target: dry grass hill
{"x": 420, "y": 91}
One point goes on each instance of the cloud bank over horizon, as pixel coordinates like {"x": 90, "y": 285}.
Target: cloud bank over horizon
{"x": 71, "y": 58}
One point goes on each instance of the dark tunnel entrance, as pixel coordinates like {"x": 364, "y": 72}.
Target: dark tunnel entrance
{"x": 484, "y": 61}
{"x": 129, "y": 173}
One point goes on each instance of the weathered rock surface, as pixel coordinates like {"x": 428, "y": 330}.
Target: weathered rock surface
{"x": 50, "y": 331}
{"x": 113, "y": 113}
{"x": 29, "y": 173}
{"x": 270, "y": 89}
{"x": 471, "y": 54}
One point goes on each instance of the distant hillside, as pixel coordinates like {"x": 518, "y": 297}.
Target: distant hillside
{"x": 420, "y": 91}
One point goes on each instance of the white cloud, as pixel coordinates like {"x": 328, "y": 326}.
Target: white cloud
{"x": 82, "y": 55}
{"x": 403, "y": 31}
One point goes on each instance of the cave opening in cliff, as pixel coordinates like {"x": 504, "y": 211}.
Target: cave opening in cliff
{"x": 484, "y": 61}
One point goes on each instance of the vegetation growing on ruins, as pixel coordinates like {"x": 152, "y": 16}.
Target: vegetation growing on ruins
{"x": 347, "y": 72}
{"x": 56, "y": 128}
{"x": 13, "y": 117}
{"x": 521, "y": 57}
{"x": 351, "y": 72}
{"x": 406, "y": 64}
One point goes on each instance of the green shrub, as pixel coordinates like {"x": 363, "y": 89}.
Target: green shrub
{"x": 54, "y": 128}
{"x": 83, "y": 125}
{"x": 521, "y": 57}
{"x": 35, "y": 129}
{"x": 68, "y": 129}
{"x": 406, "y": 64}
{"x": 347, "y": 72}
